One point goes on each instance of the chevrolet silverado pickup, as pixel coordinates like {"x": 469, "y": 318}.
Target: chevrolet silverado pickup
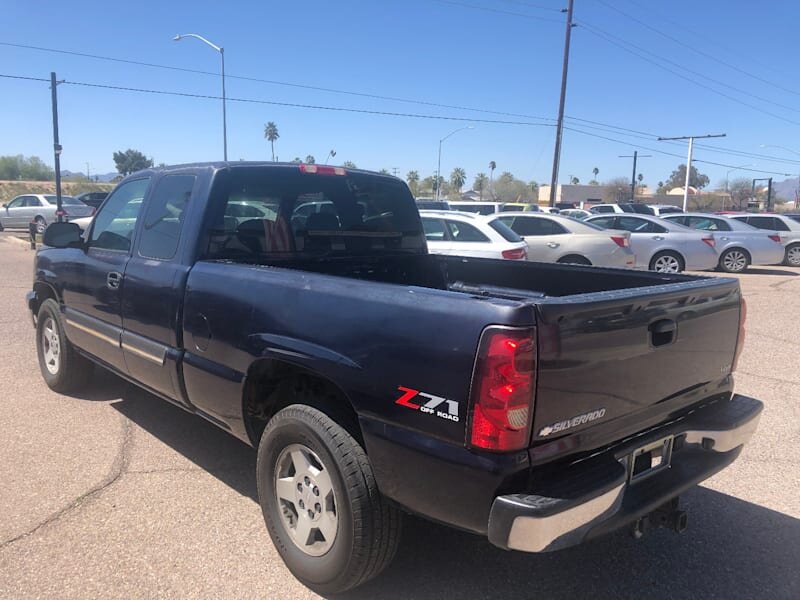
{"x": 297, "y": 307}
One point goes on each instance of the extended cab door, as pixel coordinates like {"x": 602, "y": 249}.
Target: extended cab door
{"x": 94, "y": 284}
{"x": 154, "y": 284}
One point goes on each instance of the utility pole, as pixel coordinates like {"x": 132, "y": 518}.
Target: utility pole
{"x": 56, "y": 145}
{"x": 633, "y": 177}
{"x": 691, "y": 139}
{"x": 560, "y": 122}
{"x": 88, "y": 176}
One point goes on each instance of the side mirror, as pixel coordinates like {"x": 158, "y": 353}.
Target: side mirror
{"x": 63, "y": 235}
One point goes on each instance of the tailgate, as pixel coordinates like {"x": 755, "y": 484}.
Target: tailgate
{"x": 606, "y": 357}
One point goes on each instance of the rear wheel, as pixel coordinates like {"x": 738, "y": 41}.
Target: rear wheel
{"x": 320, "y": 502}
{"x": 575, "y": 259}
{"x": 734, "y": 260}
{"x": 667, "y": 262}
{"x": 41, "y": 224}
{"x": 63, "y": 369}
{"x": 792, "y": 256}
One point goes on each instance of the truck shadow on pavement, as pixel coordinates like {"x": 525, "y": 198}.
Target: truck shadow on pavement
{"x": 732, "y": 549}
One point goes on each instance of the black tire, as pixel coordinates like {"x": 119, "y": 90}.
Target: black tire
{"x": 368, "y": 527}
{"x": 792, "y": 257}
{"x": 667, "y": 256}
{"x": 575, "y": 259}
{"x": 734, "y": 260}
{"x": 41, "y": 224}
{"x": 71, "y": 371}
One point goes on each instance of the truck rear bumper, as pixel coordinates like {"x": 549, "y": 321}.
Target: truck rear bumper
{"x": 599, "y": 494}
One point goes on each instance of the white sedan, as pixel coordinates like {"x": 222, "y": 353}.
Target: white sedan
{"x": 470, "y": 234}
{"x": 553, "y": 238}
{"x": 664, "y": 246}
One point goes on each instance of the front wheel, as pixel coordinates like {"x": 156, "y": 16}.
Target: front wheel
{"x": 666, "y": 262}
{"x": 793, "y": 256}
{"x": 320, "y": 502}
{"x": 41, "y": 225}
{"x": 734, "y": 260}
{"x": 63, "y": 369}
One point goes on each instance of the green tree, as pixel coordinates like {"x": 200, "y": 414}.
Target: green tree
{"x": 310, "y": 160}
{"x": 297, "y": 159}
{"x": 349, "y": 164}
{"x": 535, "y": 189}
{"x": 412, "y": 178}
{"x": 458, "y": 178}
{"x": 427, "y": 185}
{"x": 640, "y": 179}
{"x": 480, "y": 183}
{"x": 384, "y": 171}
{"x": 271, "y": 133}
{"x": 741, "y": 190}
{"x": 30, "y": 168}
{"x": 595, "y": 173}
{"x": 508, "y": 188}
{"x": 574, "y": 180}
{"x": 129, "y": 161}
{"x": 678, "y": 178}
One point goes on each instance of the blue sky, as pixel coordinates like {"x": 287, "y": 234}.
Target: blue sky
{"x": 434, "y": 51}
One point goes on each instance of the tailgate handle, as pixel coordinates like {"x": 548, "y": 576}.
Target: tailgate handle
{"x": 662, "y": 332}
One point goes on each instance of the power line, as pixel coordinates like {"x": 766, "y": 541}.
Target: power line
{"x": 498, "y": 11}
{"x": 697, "y": 50}
{"x": 274, "y": 82}
{"x": 610, "y": 38}
{"x": 287, "y": 104}
{"x": 697, "y": 160}
{"x": 532, "y": 5}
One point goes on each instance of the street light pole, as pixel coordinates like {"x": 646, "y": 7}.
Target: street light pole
{"x": 221, "y": 51}
{"x": 633, "y": 176}
{"x": 691, "y": 139}
{"x": 796, "y": 153}
{"x": 439, "y": 164}
{"x": 561, "y": 101}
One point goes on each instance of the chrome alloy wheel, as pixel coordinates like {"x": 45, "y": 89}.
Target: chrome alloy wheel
{"x": 667, "y": 264}
{"x": 793, "y": 256}
{"x": 734, "y": 261}
{"x": 51, "y": 346}
{"x": 306, "y": 499}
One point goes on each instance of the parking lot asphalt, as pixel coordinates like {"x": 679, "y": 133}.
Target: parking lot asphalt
{"x": 117, "y": 494}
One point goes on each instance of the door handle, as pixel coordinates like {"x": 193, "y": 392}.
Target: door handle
{"x": 113, "y": 279}
{"x": 658, "y": 237}
{"x": 725, "y": 239}
{"x": 552, "y": 245}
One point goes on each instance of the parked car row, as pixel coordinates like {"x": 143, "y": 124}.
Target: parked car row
{"x": 40, "y": 209}
{"x": 678, "y": 242}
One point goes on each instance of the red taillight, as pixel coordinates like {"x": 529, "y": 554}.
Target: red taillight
{"x": 322, "y": 170}
{"x": 710, "y": 241}
{"x": 515, "y": 254}
{"x": 775, "y": 238}
{"x": 621, "y": 241}
{"x": 740, "y": 339}
{"x": 503, "y": 387}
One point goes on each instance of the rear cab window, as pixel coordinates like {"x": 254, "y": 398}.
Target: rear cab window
{"x": 260, "y": 213}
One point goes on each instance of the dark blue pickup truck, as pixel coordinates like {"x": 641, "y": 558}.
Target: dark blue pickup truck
{"x": 297, "y": 307}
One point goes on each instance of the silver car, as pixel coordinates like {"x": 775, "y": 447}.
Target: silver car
{"x": 787, "y": 228}
{"x": 553, "y": 238}
{"x": 663, "y": 246}
{"x": 738, "y": 244}
{"x": 40, "y": 209}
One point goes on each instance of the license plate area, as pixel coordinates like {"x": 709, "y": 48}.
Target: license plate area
{"x": 650, "y": 459}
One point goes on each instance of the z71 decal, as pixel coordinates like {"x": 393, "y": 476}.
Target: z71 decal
{"x": 428, "y": 403}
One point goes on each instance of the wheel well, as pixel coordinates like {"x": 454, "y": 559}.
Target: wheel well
{"x": 670, "y": 251}
{"x": 272, "y": 385}
{"x": 571, "y": 257}
{"x": 43, "y": 292}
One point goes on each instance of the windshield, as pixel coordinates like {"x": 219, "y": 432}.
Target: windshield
{"x": 282, "y": 212}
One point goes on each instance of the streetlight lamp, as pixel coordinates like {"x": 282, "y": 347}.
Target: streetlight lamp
{"x": 331, "y": 154}
{"x": 221, "y": 51}
{"x": 727, "y": 173}
{"x": 439, "y": 167}
{"x": 796, "y": 153}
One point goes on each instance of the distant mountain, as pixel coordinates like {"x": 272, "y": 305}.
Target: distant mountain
{"x": 104, "y": 178}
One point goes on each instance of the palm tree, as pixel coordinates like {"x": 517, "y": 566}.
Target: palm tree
{"x": 595, "y": 172}
{"x": 310, "y": 160}
{"x": 412, "y": 177}
{"x": 271, "y": 133}
{"x": 458, "y": 178}
{"x": 349, "y": 164}
{"x": 574, "y": 180}
{"x": 384, "y": 171}
{"x": 492, "y": 167}
{"x": 480, "y": 183}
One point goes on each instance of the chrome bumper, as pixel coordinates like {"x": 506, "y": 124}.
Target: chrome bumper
{"x": 597, "y": 496}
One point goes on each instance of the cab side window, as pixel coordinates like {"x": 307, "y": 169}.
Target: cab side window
{"x": 163, "y": 221}
{"x": 114, "y": 224}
